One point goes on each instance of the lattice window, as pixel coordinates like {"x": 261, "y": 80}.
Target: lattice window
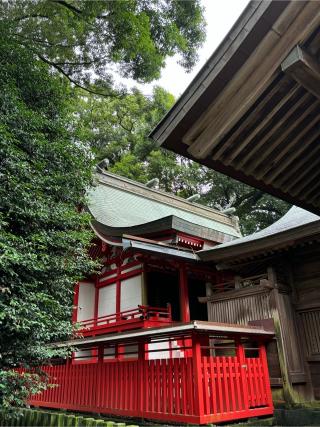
{"x": 311, "y": 331}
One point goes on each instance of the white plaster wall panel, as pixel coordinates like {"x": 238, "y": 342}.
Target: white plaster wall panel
{"x": 131, "y": 293}
{"x": 163, "y": 354}
{"x": 107, "y": 300}
{"x": 159, "y": 354}
{"x": 86, "y": 301}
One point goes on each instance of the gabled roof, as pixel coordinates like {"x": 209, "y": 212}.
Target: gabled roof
{"x": 122, "y": 206}
{"x": 296, "y": 225}
{"x": 253, "y": 110}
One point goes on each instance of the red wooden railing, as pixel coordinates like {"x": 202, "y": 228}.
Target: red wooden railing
{"x": 142, "y": 316}
{"x": 195, "y": 389}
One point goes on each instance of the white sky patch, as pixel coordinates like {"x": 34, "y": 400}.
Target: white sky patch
{"x": 220, "y": 16}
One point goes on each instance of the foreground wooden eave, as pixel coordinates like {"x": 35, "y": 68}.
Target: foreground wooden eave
{"x": 164, "y": 331}
{"x": 266, "y": 245}
{"x": 255, "y": 116}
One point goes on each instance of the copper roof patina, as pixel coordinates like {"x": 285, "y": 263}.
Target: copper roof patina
{"x": 121, "y": 206}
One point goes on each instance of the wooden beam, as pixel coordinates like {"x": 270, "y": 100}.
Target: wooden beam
{"x": 249, "y": 83}
{"x": 304, "y": 69}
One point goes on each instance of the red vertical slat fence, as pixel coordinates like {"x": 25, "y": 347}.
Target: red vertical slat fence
{"x": 228, "y": 388}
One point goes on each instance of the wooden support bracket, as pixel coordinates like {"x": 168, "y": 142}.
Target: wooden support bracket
{"x": 304, "y": 69}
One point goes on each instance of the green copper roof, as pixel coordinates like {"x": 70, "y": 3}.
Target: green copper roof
{"x": 121, "y": 203}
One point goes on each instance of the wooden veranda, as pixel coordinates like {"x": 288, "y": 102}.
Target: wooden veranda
{"x": 221, "y": 375}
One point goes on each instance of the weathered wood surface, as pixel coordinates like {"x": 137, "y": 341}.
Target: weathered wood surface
{"x": 294, "y": 303}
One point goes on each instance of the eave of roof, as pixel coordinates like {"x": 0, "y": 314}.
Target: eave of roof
{"x": 163, "y": 331}
{"x": 293, "y": 228}
{"x": 232, "y": 52}
{"x": 144, "y": 245}
{"x": 226, "y": 112}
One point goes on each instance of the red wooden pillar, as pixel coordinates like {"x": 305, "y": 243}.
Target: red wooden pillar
{"x": 197, "y": 375}
{"x": 243, "y": 372}
{"x": 184, "y": 294}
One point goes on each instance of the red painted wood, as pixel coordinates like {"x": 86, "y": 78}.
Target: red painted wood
{"x": 225, "y": 383}
{"x": 231, "y": 363}
{"x": 264, "y": 363}
{"x": 197, "y": 374}
{"x": 243, "y": 375}
{"x": 119, "y": 276}
{"x": 206, "y": 385}
{"x": 140, "y": 317}
{"x": 219, "y": 375}
{"x": 239, "y": 397}
{"x": 198, "y": 389}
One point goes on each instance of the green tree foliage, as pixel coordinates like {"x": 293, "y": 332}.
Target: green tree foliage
{"x": 45, "y": 161}
{"x": 118, "y": 129}
{"x": 91, "y": 41}
{"x": 43, "y": 237}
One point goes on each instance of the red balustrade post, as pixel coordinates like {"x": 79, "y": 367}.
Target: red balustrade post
{"x": 264, "y": 362}
{"x": 197, "y": 377}
{"x": 243, "y": 372}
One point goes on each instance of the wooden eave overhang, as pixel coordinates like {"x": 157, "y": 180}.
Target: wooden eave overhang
{"x": 167, "y": 223}
{"x": 176, "y": 329}
{"x": 267, "y": 245}
{"x": 144, "y": 245}
{"x": 253, "y": 111}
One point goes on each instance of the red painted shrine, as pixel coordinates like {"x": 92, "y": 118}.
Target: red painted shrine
{"x": 145, "y": 347}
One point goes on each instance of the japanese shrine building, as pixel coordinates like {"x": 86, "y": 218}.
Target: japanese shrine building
{"x": 187, "y": 315}
{"x": 253, "y": 113}
{"x": 145, "y": 347}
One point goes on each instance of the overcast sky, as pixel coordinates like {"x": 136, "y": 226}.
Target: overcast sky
{"x": 220, "y": 16}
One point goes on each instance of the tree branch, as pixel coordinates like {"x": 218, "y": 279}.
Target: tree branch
{"x": 71, "y": 80}
{"x": 68, "y": 6}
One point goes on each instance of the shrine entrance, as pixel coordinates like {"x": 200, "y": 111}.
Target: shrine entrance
{"x": 163, "y": 288}
{"x": 197, "y": 288}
